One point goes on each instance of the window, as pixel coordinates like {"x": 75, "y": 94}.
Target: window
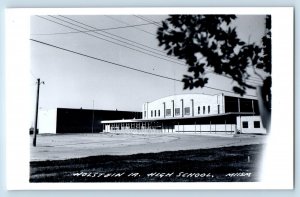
{"x": 218, "y": 109}
{"x": 256, "y": 124}
{"x": 177, "y": 111}
{"x": 198, "y": 109}
{"x": 158, "y": 112}
{"x": 186, "y": 111}
{"x": 145, "y": 113}
{"x": 151, "y": 113}
{"x": 208, "y": 109}
{"x": 203, "y": 110}
{"x": 245, "y": 124}
{"x": 168, "y": 112}
{"x": 155, "y": 113}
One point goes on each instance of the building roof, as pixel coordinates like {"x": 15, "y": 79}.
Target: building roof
{"x": 176, "y": 118}
{"x": 224, "y": 94}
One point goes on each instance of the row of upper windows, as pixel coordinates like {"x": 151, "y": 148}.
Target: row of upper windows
{"x": 256, "y": 124}
{"x": 158, "y": 113}
{"x": 186, "y": 111}
{"x": 203, "y": 109}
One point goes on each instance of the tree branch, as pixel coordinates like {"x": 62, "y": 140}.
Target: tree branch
{"x": 256, "y": 73}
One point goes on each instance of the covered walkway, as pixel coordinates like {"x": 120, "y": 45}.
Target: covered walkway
{"x": 220, "y": 123}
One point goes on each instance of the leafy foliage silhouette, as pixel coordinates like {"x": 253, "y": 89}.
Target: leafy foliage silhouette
{"x": 210, "y": 43}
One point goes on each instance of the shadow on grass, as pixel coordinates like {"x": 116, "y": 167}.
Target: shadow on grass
{"x": 228, "y": 164}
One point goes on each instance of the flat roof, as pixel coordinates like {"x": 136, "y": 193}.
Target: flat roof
{"x": 175, "y": 118}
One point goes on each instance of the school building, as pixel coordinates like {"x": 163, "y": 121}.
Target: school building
{"x": 193, "y": 113}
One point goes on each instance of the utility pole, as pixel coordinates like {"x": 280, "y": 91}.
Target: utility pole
{"x": 93, "y": 118}
{"x": 36, "y": 110}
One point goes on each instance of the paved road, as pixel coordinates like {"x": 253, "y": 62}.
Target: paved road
{"x": 66, "y": 146}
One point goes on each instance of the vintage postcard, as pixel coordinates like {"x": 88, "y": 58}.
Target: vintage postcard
{"x": 150, "y": 98}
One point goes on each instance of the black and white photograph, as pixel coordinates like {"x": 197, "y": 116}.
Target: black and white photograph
{"x": 149, "y": 98}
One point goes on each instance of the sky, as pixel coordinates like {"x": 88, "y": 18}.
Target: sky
{"x": 76, "y": 81}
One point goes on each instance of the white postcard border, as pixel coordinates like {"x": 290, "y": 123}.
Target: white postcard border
{"x": 278, "y": 166}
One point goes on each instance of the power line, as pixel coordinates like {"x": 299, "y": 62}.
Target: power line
{"x": 163, "y": 53}
{"x": 141, "y": 48}
{"x": 114, "y": 42}
{"x": 157, "y": 24}
{"x": 123, "y": 66}
{"x": 151, "y": 21}
{"x": 249, "y": 80}
{"x": 120, "y": 21}
{"x": 254, "y": 80}
{"x": 110, "y": 40}
{"x": 147, "y": 17}
{"x": 148, "y": 20}
{"x": 223, "y": 75}
{"x": 105, "y": 29}
{"x": 32, "y": 74}
{"x": 103, "y": 60}
{"x": 115, "y": 34}
{"x": 121, "y": 44}
{"x": 257, "y": 80}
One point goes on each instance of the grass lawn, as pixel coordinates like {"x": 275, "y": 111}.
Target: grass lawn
{"x": 228, "y": 164}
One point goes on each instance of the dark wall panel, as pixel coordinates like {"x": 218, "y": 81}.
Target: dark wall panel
{"x": 246, "y": 105}
{"x": 231, "y": 104}
{"x": 88, "y": 121}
